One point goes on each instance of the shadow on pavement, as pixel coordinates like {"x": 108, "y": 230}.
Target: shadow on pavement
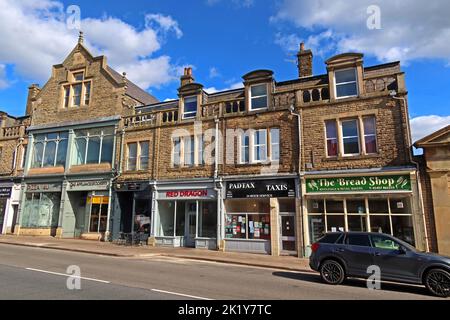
{"x": 352, "y": 282}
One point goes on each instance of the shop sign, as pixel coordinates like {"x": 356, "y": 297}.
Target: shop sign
{"x": 131, "y": 186}
{"x": 5, "y": 192}
{"x": 284, "y": 188}
{"x": 87, "y": 184}
{"x": 43, "y": 187}
{"x": 187, "y": 194}
{"x": 362, "y": 183}
{"x": 98, "y": 200}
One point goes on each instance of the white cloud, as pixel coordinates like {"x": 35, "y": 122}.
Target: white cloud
{"x": 213, "y": 72}
{"x": 236, "y": 85}
{"x": 408, "y": 31}
{"x": 425, "y": 125}
{"x": 3, "y": 81}
{"x": 35, "y": 37}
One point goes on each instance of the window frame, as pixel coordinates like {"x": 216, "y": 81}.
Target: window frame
{"x": 131, "y": 158}
{"x": 358, "y": 136}
{"x": 344, "y": 83}
{"x": 191, "y": 112}
{"x": 87, "y": 138}
{"x": 277, "y": 143}
{"x": 68, "y": 102}
{"x": 255, "y": 146}
{"x": 44, "y": 143}
{"x": 251, "y": 97}
{"x": 364, "y": 134}
{"x": 336, "y": 126}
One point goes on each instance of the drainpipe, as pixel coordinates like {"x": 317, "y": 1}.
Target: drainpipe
{"x": 393, "y": 95}
{"x": 292, "y": 111}
{"x": 218, "y": 184}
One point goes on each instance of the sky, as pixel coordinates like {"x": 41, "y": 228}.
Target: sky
{"x": 152, "y": 41}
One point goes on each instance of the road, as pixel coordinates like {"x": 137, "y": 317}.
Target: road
{"x": 37, "y": 273}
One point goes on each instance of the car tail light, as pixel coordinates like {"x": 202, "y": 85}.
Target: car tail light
{"x": 315, "y": 247}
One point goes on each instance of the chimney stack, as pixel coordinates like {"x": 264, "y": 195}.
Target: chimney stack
{"x": 33, "y": 91}
{"x": 187, "y": 77}
{"x": 304, "y": 58}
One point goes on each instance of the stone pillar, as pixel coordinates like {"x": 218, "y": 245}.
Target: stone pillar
{"x": 441, "y": 201}
{"x": 274, "y": 227}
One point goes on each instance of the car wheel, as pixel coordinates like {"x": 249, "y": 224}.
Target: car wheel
{"x": 332, "y": 272}
{"x": 437, "y": 282}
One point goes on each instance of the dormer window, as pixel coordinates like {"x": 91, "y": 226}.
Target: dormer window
{"x": 346, "y": 83}
{"x": 190, "y": 107}
{"x": 78, "y": 92}
{"x": 258, "y": 97}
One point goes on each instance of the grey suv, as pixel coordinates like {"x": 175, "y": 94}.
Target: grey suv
{"x": 338, "y": 255}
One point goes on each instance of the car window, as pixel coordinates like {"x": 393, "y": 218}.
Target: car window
{"x": 382, "y": 242}
{"x": 358, "y": 240}
{"x": 330, "y": 238}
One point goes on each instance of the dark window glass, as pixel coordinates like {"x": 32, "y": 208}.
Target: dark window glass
{"x": 358, "y": 240}
{"x": 330, "y": 238}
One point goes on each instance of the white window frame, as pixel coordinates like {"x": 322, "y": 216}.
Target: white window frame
{"x": 129, "y": 157}
{"x": 243, "y": 147}
{"x": 180, "y": 157}
{"x": 194, "y": 113}
{"x": 140, "y": 156}
{"x": 326, "y": 138}
{"x": 261, "y": 96}
{"x": 341, "y": 143}
{"x": 344, "y": 83}
{"x": 272, "y": 143}
{"x": 191, "y": 154}
{"x": 255, "y": 146}
{"x": 199, "y": 144}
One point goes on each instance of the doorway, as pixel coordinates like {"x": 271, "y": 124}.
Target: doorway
{"x": 287, "y": 233}
{"x": 190, "y": 232}
{"x": 3, "y": 202}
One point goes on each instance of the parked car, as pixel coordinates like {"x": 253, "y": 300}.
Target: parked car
{"x": 338, "y": 255}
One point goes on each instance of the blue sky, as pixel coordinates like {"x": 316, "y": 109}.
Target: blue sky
{"x": 224, "y": 39}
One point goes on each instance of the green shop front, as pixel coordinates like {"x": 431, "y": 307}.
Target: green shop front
{"x": 385, "y": 202}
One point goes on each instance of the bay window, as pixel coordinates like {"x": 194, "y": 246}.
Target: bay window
{"x": 258, "y": 97}
{"x": 346, "y": 83}
{"x": 94, "y": 146}
{"x": 49, "y": 150}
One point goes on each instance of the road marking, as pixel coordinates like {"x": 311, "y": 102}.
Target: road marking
{"x": 181, "y": 294}
{"x": 67, "y": 275}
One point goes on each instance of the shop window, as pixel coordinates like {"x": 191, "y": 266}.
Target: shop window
{"x": 180, "y": 217}
{"x": 402, "y": 228}
{"x": 357, "y": 223}
{"x": 335, "y": 223}
{"x": 316, "y": 206}
{"x": 316, "y": 227}
{"x": 166, "y": 210}
{"x": 346, "y": 83}
{"x": 41, "y": 210}
{"x": 332, "y": 138}
{"x": 356, "y": 206}
{"x": 49, "y": 150}
{"x": 258, "y": 97}
{"x": 378, "y": 206}
{"x": 207, "y": 220}
{"x": 335, "y": 206}
{"x": 99, "y": 214}
{"x": 275, "y": 144}
{"x": 370, "y": 136}
{"x": 350, "y": 137}
{"x": 248, "y": 226}
{"x": 400, "y": 205}
{"x": 380, "y": 224}
{"x": 190, "y": 107}
{"x": 94, "y": 146}
{"x": 286, "y": 205}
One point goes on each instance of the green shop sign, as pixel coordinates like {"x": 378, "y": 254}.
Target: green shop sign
{"x": 364, "y": 183}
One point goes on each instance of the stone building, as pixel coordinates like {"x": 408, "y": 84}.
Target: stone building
{"x": 265, "y": 168}
{"x": 435, "y": 167}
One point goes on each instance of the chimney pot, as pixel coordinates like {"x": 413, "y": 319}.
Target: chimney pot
{"x": 304, "y": 62}
{"x": 302, "y": 46}
{"x": 187, "y": 77}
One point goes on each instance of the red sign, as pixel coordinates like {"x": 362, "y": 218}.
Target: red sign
{"x": 187, "y": 194}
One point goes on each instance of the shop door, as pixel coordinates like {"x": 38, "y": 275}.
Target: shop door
{"x": 287, "y": 233}
{"x": 191, "y": 224}
{"x": 99, "y": 214}
{"x": 2, "y": 213}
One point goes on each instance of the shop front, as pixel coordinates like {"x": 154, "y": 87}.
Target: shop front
{"x": 5, "y": 195}
{"x": 131, "y": 208}
{"x": 40, "y": 208}
{"x": 86, "y": 209}
{"x": 260, "y": 216}
{"x": 185, "y": 215}
{"x": 369, "y": 203}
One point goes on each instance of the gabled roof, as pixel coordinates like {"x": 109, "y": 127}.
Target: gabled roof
{"x": 133, "y": 90}
{"x": 440, "y": 137}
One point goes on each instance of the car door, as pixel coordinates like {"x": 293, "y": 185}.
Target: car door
{"x": 395, "y": 261}
{"x": 357, "y": 253}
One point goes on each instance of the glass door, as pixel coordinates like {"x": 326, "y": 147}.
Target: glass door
{"x": 191, "y": 224}
{"x": 98, "y": 214}
{"x": 287, "y": 233}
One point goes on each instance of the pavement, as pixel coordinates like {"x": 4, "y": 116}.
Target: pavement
{"x": 289, "y": 263}
{"x": 30, "y": 273}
